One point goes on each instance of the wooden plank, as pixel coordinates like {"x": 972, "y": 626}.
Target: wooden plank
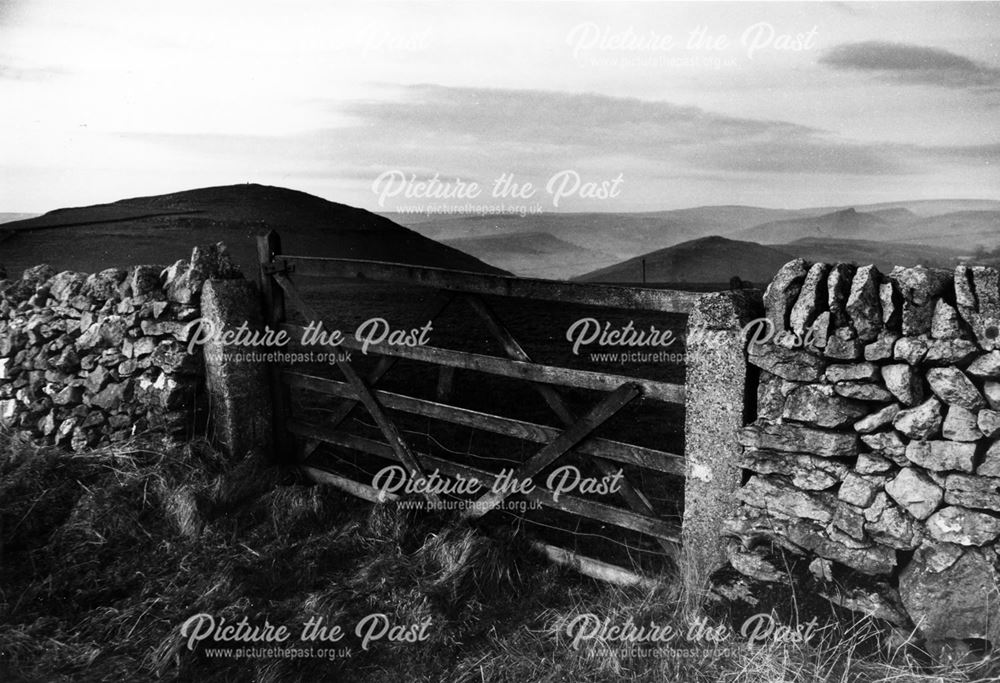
{"x": 551, "y": 452}
{"x": 588, "y": 566}
{"x": 632, "y": 496}
{"x": 268, "y": 248}
{"x": 629, "y": 454}
{"x": 595, "y": 569}
{"x": 384, "y": 365}
{"x": 609, "y": 296}
{"x": 505, "y": 367}
{"x": 364, "y": 394}
{"x": 446, "y": 382}
{"x": 601, "y": 512}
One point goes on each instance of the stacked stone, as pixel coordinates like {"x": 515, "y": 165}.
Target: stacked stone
{"x": 93, "y": 359}
{"x": 876, "y": 444}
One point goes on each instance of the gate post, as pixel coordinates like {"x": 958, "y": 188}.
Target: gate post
{"x": 717, "y": 389}
{"x": 268, "y": 249}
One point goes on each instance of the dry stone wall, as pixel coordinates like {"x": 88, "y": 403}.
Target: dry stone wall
{"x": 875, "y": 447}
{"x": 93, "y": 359}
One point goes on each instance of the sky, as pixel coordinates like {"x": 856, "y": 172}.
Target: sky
{"x": 598, "y": 106}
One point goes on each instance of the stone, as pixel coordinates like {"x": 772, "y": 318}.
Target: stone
{"x": 796, "y": 365}
{"x": 877, "y": 420}
{"x": 865, "y": 558}
{"x": 977, "y": 294}
{"x": 950, "y": 352}
{"x": 915, "y": 492}
{"x": 988, "y": 422}
{"x": 922, "y": 422}
{"x": 843, "y": 345}
{"x": 911, "y": 350}
{"x": 961, "y": 425}
{"x": 849, "y": 519}
{"x": 172, "y": 357}
{"x": 66, "y": 285}
{"x": 919, "y": 287}
{"x": 858, "y": 491}
{"x": 939, "y": 556}
{"x": 838, "y": 285}
{"x": 872, "y": 463}
{"x": 105, "y": 284}
{"x": 887, "y": 444}
{"x": 881, "y": 348}
{"x": 942, "y": 456}
{"x": 145, "y": 280}
{"x": 954, "y": 524}
{"x": 863, "y": 306}
{"x": 821, "y": 407}
{"x": 771, "y": 394}
{"x": 888, "y": 525}
{"x": 113, "y": 395}
{"x": 971, "y": 491}
{"x": 986, "y": 366}
{"x": 892, "y": 305}
{"x": 945, "y": 322}
{"x": 69, "y": 395}
{"x": 143, "y": 346}
{"x": 807, "y": 472}
{"x": 792, "y": 438}
{"x": 952, "y": 386}
{"x": 95, "y": 380}
{"x": 8, "y": 412}
{"x": 991, "y": 390}
{"x": 819, "y": 332}
{"x": 38, "y": 276}
{"x": 752, "y": 564}
{"x": 851, "y": 372}
{"x": 811, "y": 299}
{"x": 777, "y": 497}
{"x": 904, "y": 382}
{"x": 960, "y": 601}
{"x": 160, "y": 328}
{"x": 863, "y": 391}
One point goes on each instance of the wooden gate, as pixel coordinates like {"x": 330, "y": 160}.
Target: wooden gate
{"x": 300, "y": 438}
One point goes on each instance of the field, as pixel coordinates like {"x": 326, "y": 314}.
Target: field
{"x": 108, "y": 553}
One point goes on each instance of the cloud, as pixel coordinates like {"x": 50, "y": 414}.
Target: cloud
{"x": 913, "y": 64}
{"x": 568, "y": 126}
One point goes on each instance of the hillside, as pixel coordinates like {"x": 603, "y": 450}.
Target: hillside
{"x": 163, "y": 228}
{"x": 710, "y": 259}
{"x": 533, "y": 254}
{"x": 846, "y": 224}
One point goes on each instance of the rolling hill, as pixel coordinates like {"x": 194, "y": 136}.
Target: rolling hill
{"x": 161, "y": 229}
{"x": 706, "y": 260}
{"x": 533, "y": 254}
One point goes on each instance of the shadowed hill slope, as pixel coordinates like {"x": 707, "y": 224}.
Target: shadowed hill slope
{"x": 163, "y": 228}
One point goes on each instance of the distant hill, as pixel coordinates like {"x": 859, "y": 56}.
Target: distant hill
{"x": 966, "y": 230}
{"x": 621, "y": 235}
{"x": 533, "y": 254}
{"x": 847, "y": 224}
{"x": 709, "y": 259}
{"x": 163, "y": 228}
{"x": 8, "y": 217}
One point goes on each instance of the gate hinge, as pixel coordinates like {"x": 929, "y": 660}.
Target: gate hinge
{"x": 279, "y": 266}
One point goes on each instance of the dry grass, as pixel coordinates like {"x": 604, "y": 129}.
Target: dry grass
{"x": 105, "y": 555}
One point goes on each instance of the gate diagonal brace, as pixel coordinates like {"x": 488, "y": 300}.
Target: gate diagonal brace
{"x": 633, "y": 497}
{"x": 385, "y": 424}
{"x": 552, "y": 451}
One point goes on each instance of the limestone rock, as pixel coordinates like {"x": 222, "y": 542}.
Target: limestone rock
{"x": 881, "y": 348}
{"x": 863, "y": 307}
{"x": 887, "y": 444}
{"x": 919, "y": 287}
{"x": 921, "y": 422}
{"x": 960, "y": 525}
{"x": 791, "y": 364}
{"x": 872, "y": 463}
{"x": 852, "y": 372}
{"x": 988, "y": 422}
{"x": 807, "y": 472}
{"x": 990, "y": 467}
{"x": 905, "y": 383}
{"x": 945, "y": 322}
{"x": 838, "y": 285}
{"x": 986, "y": 366}
{"x": 857, "y": 490}
{"x": 863, "y": 391}
{"x": 777, "y": 497}
{"x": 991, "y": 389}
{"x": 791, "y": 438}
{"x": 961, "y": 425}
{"x": 843, "y": 344}
{"x": 977, "y": 293}
{"x": 819, "y": 406}
{"x": 952, "y": 386}
{"x": 811, "y": 300}
{"x": 972, "y": 492}
{"x": 960, "y": 601}
{"x": 771, "y": 394}
{"x": 942, "y": 455}
{"x": 950, "y": 352}
{"x": 915, "y": 492}
{"x": 877, "y": 420}
{"x": 888, "y": 525}
{"x": 911, "y": 350}
{"x": 892, "y": 305}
